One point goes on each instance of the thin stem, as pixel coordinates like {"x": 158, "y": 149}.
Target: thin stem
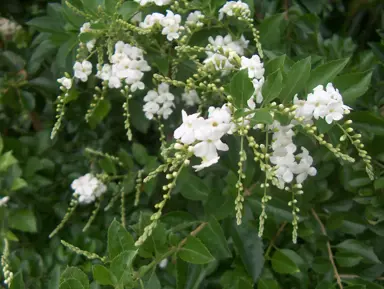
{"x": 330, "y": 254}
{"x": 272, "y": 243}
{"x": 123, "y": 222}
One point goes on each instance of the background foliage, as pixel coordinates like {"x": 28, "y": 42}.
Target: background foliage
{"x": 341, "y": 206}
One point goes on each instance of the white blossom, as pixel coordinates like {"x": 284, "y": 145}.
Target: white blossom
{"x": 90, "y": 44}
{"x": 232, "y": 8}
{"x": 66, "y": 82}
{"x": 4, "y": 201}
{"x": 82, "y": 70}
{"x": 194, "y": 18}
{"x": 88, "y": 188}
{"x": 151, "y": 19}
{"x": 186, "y": 133}
{"x": 163, "y": 263}
{"x": 254, "y": 65}
{"x": 159, "y": 102}
{"x": 85, "y": 28}
{"x": 171, "y": 25}
{"x": 8, "y": 27}
{"x": 304, "y": 167}
{"x": 190, "y": 98}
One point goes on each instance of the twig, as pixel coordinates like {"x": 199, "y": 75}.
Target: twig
{"x": 193, "y": 233}
{"x": 279, "y": 231}
{"x": 352, "y": 276}
{"x": 330, "y": 254}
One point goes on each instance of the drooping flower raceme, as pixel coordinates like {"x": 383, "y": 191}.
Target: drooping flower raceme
{"x": 88, "y": 188}
{"x": 170, "y": 24}
{"x": 284, "y": 159}
{"x": 82, "y": 70}
{"x": 159, "y": 102}
{"x": 234, "y": 8}
{"x": 190, "y": 98}
{"x": 323, "y": 103}
{"x": 127, "y": 66}
{"x": 204, "y": 135}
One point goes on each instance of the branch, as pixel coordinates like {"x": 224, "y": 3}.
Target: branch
{"x": 330, "y": 254}
{"x": 352, "y": 276}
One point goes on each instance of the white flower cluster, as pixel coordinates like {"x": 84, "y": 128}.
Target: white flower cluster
{"x": 127, "y": 66}
{"x": 156, "y": 2}
{"x": 233, "y": 8}
{"x": 194, "y": 18}
{"x": 65, "y": 82}
{"x": 204, "y": 135}
{"x": 256, "y": 73}
{"x": 88, "y": 188}
{"x": 87, "y": 28}
{"x": 284, "y": 159}
{"x": 170, "y": 23}
{"x": 4, "y": 201}
{"x": 322, "y": 103}
{"x": 82, "y": 70}
{"x": 8, "y": 27}
{"x": 233, "y": 48}
{"x": 190, "y": 98}
{"x": 159, "y": 102}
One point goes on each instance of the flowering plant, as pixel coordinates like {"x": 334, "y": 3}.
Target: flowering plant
{"x": 244, "y": 132}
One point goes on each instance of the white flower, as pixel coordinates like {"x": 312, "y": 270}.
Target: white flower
{"x": 228, "y": 44}
{"x": 90, "y": 44}
{"x": 88, "y": 188}
{"x": 151, "y": 19}
{"x": 159, "y": 102}
{"x": 82, "y": 70}
{"x": 186, "y": 132}
{"x": 66, "y": 82}
{"x": 8, "y": 27}
{"x": 254, "y": 65}
{"x": 163, "y": 263}
{"x": 190, "y": 97}
{"x": 85, "y": 28}
{"x": 114, "y": 82}
{"x": 105, "y": 72}
{"x": 304, "y": 167}
{"x": 171, "y": 25}
{"x": 206, "y": 163}
{"x": 4, "y": 201}
{"x": 258, "y": 85}
{"x": 232, "y": 8}
{"x": 194, "y": 18}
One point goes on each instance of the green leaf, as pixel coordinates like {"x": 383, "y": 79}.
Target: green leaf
{"x": 250, "y": 248}
{"x": 101, "y": 111}
{"x": 17, "y": 281}
{"x": 1, "y": 144}
{"x": 345, "y": 259}
{"x": 262, "y": 115}
{"x": 326, "y": 72}
{"x": 140, "y": 153}
{"x": 12, "y": 60}
{"x": 368, "y": 121}
{"x": 108, "y": 166}
{"x": 93, "y": 5}
{"x": 18, "y": 184}
{"x": 153, "y": 282}
{"x": 213, "y": 237}
{"x": 379, "y": 183}
{"x": 128, "y": 9}
{"x": 283, "y": 264}
{"x": 87, "y": 36}
{"x": 119, "y": 240}
{"x": 359, "y": 248}
{"x": 195, "y": 252}
{"x": 270, "y": 30}
{"x": 110, "y": 6}
{"x": 102, "y": 275}
{"x": 23, "y": 220}
{"x": 275, "y": 64}
{"x": 272, "y": 86}
{"x": 121, "y": 267}
{"x": 296, "y": 79}
{"x": 352, "y": 85}
{"x": 74, "y": 276}
{"x": 192, "y": 187}
{"x": 267, "y": 284}
{"x": 240, "y": 88}
{"x": 7, "y": 160}
{"x": 39, "y": 55}
{"x": 46, "y": 24}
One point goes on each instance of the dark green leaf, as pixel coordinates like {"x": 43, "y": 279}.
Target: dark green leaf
{"x": 119, "y": 240}
{"x": 270, "y": 30}
{"x": 344, "y": 259}
{"x": 275, "y": 64}
{"x": 283, "y": 264}
{"x": 74, "y": 276}
{"x": 108, "y": 166}
{"x": 17, "y": 281}
{"x": 23, "y": 220}
{"x": 140, "y": 153}
{"x": 213, "y": 237}
{"x": 272, "y": 87}
{"x": 7, "y": 160}
{"x": 262, "y": 115}
{"x": 359, "y": 248}
{"x": 240, "y": 88}
{"x": 267, "y": 284}
{"x": 250, "y": 248}
{"x": 326, "y": 72}
{"x": 192, "y": 187}
{"x": 101, "y": 111}
{"x": 102, "y": 275}
{"x": 296, "y": 79}
{"x": 121, "y": 267}
{"x": 195, "y": 252}
{"x": 128, "y": 9}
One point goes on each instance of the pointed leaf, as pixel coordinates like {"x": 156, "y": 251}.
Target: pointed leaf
{"x": 272, "y": 86}
{"x": 119, "y": 240}
{"x": 102, "y": 275}
{"x": 283, "y": 264}
{"x": 240, "y": 88}
{"x": 195, "y": 252}
{"x": 359, "y": 248}
{"x": 73, "y": 275}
